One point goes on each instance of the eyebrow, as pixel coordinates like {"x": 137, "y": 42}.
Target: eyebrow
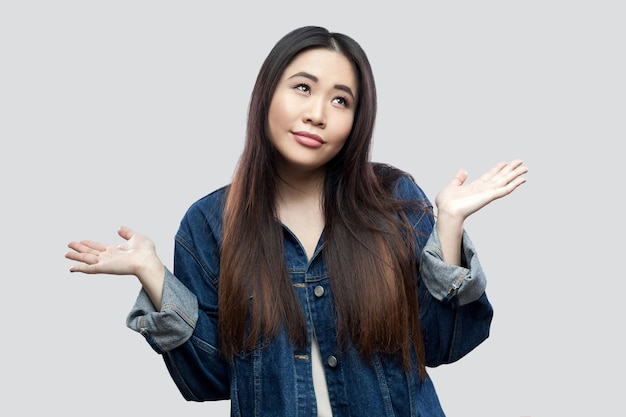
{"x": 313, "y": 78}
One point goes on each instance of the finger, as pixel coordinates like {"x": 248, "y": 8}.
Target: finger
{"x": 513, "y": 166}
{"x": 510, "y": 187}
{"x": 514, "y": 171}
{"x": 520, "y": 169}
{"x": 460, "y": 177}
{"x": 515, "y": 163}
{"x": 87, "y": 246}
{"x": 85, "y": 268}
{"x": 503, "y": 172}
{"x": 495, "y": 170}
{"x": 125, "y": 232}
{"x": 86, "y": 258}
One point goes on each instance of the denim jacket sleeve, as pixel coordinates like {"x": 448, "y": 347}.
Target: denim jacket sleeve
{"x": 173, "y": 325}
{"x": 185, "y": 331}
{"x": 454, "y": 311}
{"x": 466, "y": 283}
{"x": 455, "y": 314}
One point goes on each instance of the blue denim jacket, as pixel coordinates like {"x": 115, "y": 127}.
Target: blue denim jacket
{"x": 275, "y": 378}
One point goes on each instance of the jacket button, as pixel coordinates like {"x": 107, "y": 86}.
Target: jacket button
{"x": 332, "y": 361}
{"x": 319, "y": 291}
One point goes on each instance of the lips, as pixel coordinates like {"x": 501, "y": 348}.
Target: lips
{"x": 308, "y": 139}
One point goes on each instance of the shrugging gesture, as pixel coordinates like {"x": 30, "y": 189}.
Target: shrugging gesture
{"x": 319, "y": 314}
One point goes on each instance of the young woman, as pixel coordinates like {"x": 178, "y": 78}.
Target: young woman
{"x": 317, "y": 282}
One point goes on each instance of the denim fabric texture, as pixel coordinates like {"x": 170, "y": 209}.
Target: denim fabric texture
{"x": 275, "y": 378}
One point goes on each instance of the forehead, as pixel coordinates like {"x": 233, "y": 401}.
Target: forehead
{"x": 325, "y": 64}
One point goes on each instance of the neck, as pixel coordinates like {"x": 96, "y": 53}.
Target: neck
{"x": 300, "y": 185}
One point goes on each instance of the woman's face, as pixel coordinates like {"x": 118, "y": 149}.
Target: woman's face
{"x": 312, "y": 110}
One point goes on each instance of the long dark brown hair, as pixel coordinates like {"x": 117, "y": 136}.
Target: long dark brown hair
{"x": 368, "y": 251}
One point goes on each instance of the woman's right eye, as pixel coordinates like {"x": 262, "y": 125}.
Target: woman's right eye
{"x": 303, "y": 87}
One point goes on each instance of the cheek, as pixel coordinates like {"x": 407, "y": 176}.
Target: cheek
{"x": 344, "y": 131}
{"x": 271, "y": 115}
{"x": 274, "y": 120}
{"x": 280, "y": 109}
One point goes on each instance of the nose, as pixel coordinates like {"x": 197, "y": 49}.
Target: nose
{"x": 315, "y": 113}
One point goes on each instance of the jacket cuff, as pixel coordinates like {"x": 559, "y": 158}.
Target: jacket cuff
{"x": 451, "y": 283}
{"x": 174, "y": 324}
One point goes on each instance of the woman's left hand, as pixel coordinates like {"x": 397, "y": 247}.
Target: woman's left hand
{"x": 459, "y": 200}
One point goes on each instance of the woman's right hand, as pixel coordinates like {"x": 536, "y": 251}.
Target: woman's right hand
{"x": 135, "y": 256}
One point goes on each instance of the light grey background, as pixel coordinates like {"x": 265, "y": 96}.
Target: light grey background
{"x": 125, "y": 112}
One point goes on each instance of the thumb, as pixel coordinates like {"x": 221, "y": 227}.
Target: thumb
{"x": 125, "y": 232}
{"x": 460, "y": 177}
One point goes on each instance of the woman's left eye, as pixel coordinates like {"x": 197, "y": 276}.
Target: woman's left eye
{"x": 340, "y": 100}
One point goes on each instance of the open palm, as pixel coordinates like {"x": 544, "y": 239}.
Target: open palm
{"x": 460, "y": 200}
{"x": 101, "y": 258}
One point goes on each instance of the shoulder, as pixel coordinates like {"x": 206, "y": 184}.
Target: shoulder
{"x": 408, "y": 197}
{"x": 205, "y": 213}
{"x": 210, "y": 204}
{"x": 401, "y": 183}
